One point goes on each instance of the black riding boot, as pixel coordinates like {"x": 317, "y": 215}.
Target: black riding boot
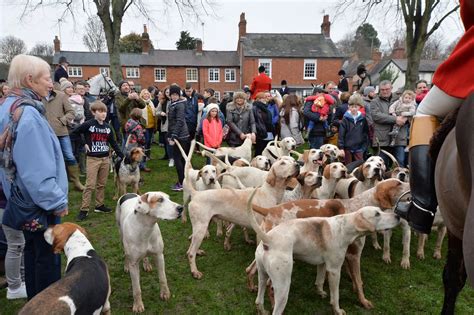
{"x": 421, "y": 210}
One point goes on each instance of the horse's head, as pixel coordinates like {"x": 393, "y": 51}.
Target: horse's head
{"x": 102, "y": 82}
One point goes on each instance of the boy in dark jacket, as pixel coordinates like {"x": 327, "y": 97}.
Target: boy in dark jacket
{"x": 353, "y": 131}
{"x": 98, "y": 138}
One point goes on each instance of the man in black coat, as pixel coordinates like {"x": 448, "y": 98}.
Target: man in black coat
{"x": 61, "y": 70}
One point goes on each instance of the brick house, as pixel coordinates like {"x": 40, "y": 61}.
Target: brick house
{"x": 301, "y": 59}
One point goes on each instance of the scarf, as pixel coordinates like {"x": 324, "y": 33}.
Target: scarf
{"x": 24, "y": 97}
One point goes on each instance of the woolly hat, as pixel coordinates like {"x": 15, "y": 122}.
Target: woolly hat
{"x": 64, "y": 84}
{"x": 211, "y": 107}
{"x": 368, "y": 89}
{"x": 174, "y": 89}
{"x": 121, "y": 83}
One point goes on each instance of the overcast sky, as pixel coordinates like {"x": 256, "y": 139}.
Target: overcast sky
{"x": 220, "y": 29}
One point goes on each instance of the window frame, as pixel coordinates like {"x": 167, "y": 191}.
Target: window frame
{"x": 264, "y": 62}
{"x": 215, "y": 71}
{"x": 217, "y": 95}
{"x": 230, "y": 70}
{"x": 308, "y": 62}
{"x": 195, "y": 70}
{"x": 127, "y": 74}
{"x": 155, "y": 76}
{"x": 74, "y": 71}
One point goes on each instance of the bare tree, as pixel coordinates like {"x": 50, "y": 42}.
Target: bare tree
{"x": 421, "y": 19}
{"x": 94, "y": 36}
{"x": 10, "y": 46}
{"x": 434, "y": 48}
{"x": 42, "y": 50}
{"x": 449, "y": 49}
{"x": 345, "y": 45}
{"x": 111, "y": 14}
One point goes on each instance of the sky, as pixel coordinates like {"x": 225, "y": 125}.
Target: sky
{"x": 218, "y": 28}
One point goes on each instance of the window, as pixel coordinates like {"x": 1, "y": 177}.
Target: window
{"x": 191, "y": 75}
{"x": 132, "y": 72}
{"x": 214, "y": 75}
{"x": 104, "y": 70}
{"x": 160, "y": 74}
{"x": 229, "y": 75}
{"x": 309, "y": 69}
{"x": 75, "y": 72}
{"x": 217, "y": 95}
{"x": 267, "y": 63}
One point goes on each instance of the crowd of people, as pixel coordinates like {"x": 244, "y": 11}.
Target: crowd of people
{"x": 87, "y": 127}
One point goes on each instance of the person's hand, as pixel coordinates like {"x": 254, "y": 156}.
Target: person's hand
{"x": 243, "y": 136}
{"x": 401, "y": 120}
{"x": 163, "y": 114}
{"x": 253, "y": 137}
{"x": 62, "y": 213}
{"x": 86, "y": 147}
{"x": 133, "y": 96}
{"x": 171, "y": 141}
{"x": 323, "y": 118}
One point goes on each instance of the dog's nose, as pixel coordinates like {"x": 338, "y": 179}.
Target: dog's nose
{"x": 179, "y": 209}
{"x": 402, "y": 177}
{"x": 300, "y": 163}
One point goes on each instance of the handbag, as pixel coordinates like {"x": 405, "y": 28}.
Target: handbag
{"x": 24, "y": 214}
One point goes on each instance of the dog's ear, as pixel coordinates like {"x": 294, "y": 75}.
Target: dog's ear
{"x": 359, "y": 173}
{"x": 305, "y": 156}
{"x": 301, "y": 178}
{"x": 271, "y": 177}
{"x": 362, "y": 224}
{"x": 199, "y": 175}
{"x": 253, "y": 162}
{"x": 387, "y": 175}
{"x": 143, "y": 204}
{"x": 327, "y": 171}
{"x": 61, "y": 233}
{"x": 385, "y": 192}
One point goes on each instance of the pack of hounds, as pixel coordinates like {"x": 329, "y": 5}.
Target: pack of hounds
{"x": 306, "y": 206}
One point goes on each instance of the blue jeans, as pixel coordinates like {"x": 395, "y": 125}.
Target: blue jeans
{"x": 42, "y": 266}
{"x": 315, "y": 142}
{"x": 66, "y": 147}
{"x": 398, "y": 152}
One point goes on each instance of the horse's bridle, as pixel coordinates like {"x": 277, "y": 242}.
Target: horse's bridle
{"x": 110, "y": 87}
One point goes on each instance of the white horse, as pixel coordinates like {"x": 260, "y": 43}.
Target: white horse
{"x": 101, "y": 82}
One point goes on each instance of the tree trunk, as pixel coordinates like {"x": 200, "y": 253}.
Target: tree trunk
{"x": 413, "y": 64}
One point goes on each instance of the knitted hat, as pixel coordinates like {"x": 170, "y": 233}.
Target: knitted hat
{"x": 64, "y": 84}
{"x": 368, "y": 89}
{"x": 211, "y": 107}
{"x": 121, "y": 83}
{"x": 174, "y": 89}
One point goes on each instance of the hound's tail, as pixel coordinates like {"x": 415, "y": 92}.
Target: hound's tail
{"x": 215, "y": 158}
{"x": 187, "y": 165}
{"x": 260, "y": 233}
{"x": 206, "y": 147}
{"x": 394, "y": 160}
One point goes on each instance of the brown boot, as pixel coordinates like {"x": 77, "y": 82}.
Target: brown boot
{"x": 73, "y": 171}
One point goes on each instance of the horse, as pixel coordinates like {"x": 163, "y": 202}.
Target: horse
{"x": 454, "y": 172}
{"x": 101, "y": 82}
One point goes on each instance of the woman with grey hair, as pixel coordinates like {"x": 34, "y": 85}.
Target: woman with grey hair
{"x": 37, "y": 196}
{"x": 240, "y": 120}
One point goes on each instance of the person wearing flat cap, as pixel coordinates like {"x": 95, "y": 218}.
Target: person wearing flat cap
{"x": 61, "y": 70}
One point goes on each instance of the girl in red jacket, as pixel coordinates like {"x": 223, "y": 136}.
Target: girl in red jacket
{"x": 212, "y": 127}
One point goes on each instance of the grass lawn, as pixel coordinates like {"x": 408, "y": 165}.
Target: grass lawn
{"x": 223, "y": 289}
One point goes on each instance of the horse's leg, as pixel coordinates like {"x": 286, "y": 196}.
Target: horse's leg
{"x": 454, "y": 274}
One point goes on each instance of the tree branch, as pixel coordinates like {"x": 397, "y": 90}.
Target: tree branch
{"x": 438, "y": 23}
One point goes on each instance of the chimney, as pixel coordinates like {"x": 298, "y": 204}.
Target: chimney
{"x": 242, "y": 25}
{"x": 326, "y": 26}
{"x": 57, "y": 44}
{"x": 198, "y": 46}
{"x": 145, "y": 40}
{"x": 376, "y": 55}
{"x": 398, "y": 51}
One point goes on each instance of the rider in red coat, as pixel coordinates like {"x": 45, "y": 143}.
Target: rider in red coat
{"x": 452, "y": 84}
{"x": 261, "y": 83}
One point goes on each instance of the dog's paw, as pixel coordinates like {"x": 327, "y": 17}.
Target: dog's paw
{"x": 437, "y": 254}
{"x": 184, "y": 219}
{"x": 207, "y": 235}
{"x": 405, "y": 264}
{"x": 367, "y": 304}
{"x": 227, "y": 246}
{"x": 376, "y": 246}
{"x": 219, "y": 233}
{"x": 147, "y": 266}
{"x": 420, "y": 255}
{"x": 165, "y": 294}
{"x": 125, "y": 268}
{"x": 323, "y": 294}
{"x": 138, "y": 307}
{"x": 200, "y": 252}
{"x": 261, "y": 310}
{"x": 197, "y": 275}
{"x": 114, "y": 197}
{"x": 386, "y": 258}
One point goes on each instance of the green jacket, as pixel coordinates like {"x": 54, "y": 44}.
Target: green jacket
{"x": 125, "y": 106}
